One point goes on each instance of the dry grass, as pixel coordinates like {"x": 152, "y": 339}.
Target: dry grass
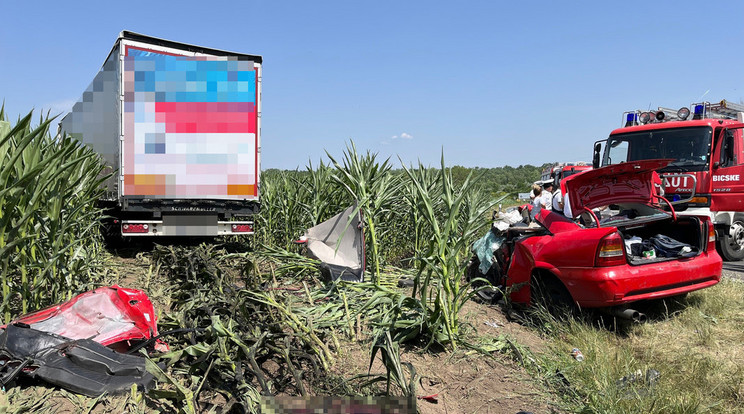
{"x": 694, "y": 344}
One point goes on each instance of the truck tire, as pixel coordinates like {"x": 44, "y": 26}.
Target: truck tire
{"x": 489, "y": 294}
{"x": 731, "y": 247}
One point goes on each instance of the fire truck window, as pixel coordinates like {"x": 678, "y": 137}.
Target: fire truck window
{"x": 618, "y": 152}
{"x": 728, "y": 154}
{"x": 688, "y": 147}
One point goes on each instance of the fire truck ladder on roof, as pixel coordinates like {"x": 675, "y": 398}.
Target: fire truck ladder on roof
{"x": 701, "y": 110}
{"x": 723, "y": 109}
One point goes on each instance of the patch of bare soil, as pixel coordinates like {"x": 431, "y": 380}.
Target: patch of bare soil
{"x": 477, "y": 383}
{"x": 468, "y": 381}
{"x": 491, "y": 320}
{"x": 131, "y": 271}
{"x": 135, "y": 272}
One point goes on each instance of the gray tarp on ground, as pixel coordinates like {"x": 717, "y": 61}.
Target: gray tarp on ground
{"x": 342, "y": 258}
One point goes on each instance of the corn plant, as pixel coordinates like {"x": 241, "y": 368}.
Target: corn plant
{"x": 375, "y": 190}
{"x": 324, "y": 198}
{"x": 239, "y": 332}
{"x": 414, "y": 232}
{"x": 443, "y": 260}
{"x": 282, "y": 215}
{"x": 288, "y": 263}
{"x": 390, "y": 354}
{"x": 293, "y": 201}
{"x": 49, "y": 242}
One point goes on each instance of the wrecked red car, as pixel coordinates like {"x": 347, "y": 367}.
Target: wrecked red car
{"x": 624, "y": 243}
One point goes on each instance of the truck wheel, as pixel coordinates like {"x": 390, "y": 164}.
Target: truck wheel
{"x": 489, "y": 294}
{"x": 732, "y": 247}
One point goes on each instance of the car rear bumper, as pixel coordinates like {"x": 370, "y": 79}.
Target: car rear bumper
{"x": 617, "y": 285}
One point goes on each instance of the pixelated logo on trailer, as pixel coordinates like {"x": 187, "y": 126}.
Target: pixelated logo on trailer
{"x": 189, "y": 125}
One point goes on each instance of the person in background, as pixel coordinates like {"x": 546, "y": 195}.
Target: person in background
{"x": 546, "y": 197}
{"x": 536, "y": 189}
{"x": 558, "y": 201}
{"x": 536, "y": 196}
{"x": 567, "y": 208}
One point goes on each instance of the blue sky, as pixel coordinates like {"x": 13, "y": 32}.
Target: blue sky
{"x": 491, "y": 83}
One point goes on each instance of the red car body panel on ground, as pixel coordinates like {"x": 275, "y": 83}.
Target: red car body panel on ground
{"x": 112, "y": 316}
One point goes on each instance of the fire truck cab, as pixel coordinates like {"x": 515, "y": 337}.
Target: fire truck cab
{"x": 559, "y": 171}
{"x": 706, "y": 176}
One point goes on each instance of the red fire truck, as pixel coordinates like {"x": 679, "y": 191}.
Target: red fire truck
{"x": 707, "y": 174}
{"x": 559, "y": 171}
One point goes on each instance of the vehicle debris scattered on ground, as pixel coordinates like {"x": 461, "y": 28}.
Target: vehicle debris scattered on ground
{"x": 339, "y": 245}
{"x": 84, "y": 345}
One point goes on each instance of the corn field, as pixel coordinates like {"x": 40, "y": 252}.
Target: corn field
{"x": 256, "y": 321}
{"x": 397, "y": 229}
{"x": 49, "y": 248}
{"x": 415, "y": 218}
{"x": 262, "y": 307}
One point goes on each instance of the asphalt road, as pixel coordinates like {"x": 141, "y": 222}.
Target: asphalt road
{"x": 734, "y": 269}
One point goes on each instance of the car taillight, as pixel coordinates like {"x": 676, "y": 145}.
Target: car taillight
{"x": 611, "y": 251}
{"x": 134, "y": 228}
{"x": 242, "y": 228}
{"x": 711, "y": 233}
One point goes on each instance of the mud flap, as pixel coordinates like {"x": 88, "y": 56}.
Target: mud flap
{"x": 82, "y": 366}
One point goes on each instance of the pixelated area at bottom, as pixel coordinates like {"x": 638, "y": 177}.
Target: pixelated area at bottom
{"x": 337, "y": 405}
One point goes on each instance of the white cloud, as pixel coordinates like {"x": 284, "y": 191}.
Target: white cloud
{"x": 403, "y": 135}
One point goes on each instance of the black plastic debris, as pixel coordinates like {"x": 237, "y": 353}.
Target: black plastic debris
{"x": 82, "y": 366}
{"x": 666, "y": 246}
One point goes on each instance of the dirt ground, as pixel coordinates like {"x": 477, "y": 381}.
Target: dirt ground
{"x": 464, "y": 381}
{"x": 468, "y": 381}
{"x": 479, "y": 384}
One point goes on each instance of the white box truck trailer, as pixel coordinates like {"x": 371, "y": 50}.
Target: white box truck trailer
{"x": 179, "y": 126}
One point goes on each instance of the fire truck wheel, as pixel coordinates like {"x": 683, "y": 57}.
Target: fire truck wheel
{"x": 731, "y": 246}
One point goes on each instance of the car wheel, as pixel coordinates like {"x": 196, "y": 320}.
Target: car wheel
{"x": 490, "y": 294}
{"x": 731, "y": 245}
{"x": 550, "y": 294}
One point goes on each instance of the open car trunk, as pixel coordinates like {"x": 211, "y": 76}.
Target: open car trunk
{"x": 663, "y": 240}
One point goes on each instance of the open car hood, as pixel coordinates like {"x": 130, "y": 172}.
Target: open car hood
{"x": 629, "y": 182}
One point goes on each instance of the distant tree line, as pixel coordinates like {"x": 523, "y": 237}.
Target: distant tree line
{"x": 502, "y": 180}
{"x": 496, "y": 181}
